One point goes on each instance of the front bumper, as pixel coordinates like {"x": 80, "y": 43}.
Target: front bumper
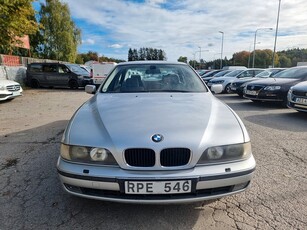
{"x": 263, "y": 95}
{"x": 107, "y": 183}
{"x": 299, "y": 106}
{"x": 85, "y": 82}
{"x": 9, "y": 95}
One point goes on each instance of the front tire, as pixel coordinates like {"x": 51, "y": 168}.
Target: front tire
{"x": 227, "y": 89}
{"x": 35, "y": 84}
{"x": 73, "y": 84}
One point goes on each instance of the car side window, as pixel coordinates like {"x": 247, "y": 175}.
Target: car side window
{"x": 36, "y": 68}
{"x": 63, "y": 69}
{"x": 50, "y": 68}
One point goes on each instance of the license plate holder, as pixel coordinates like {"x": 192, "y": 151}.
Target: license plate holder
{"x": 158, "y": 187}
{"x": 301, "y": 100}
{"x": 251, "y": 92}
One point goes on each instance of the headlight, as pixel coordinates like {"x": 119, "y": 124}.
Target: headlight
{"x": 87, "y": 155}
{"x": 226, "y": 153}
{"x": 272, "y": 88}
{"x": 2, "y": 87}
{"x": 290, "y": 91}
{"x": 289, "y": 94}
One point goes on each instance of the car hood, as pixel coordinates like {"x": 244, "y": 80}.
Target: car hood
{"x": 246, "y": 79}
{"x": 222, "y": 78}
{"x": 123, "y": 120}
{"x": 301, "y": 86}
{"x": 276, "y": 81}
{"x": 8, "y": 82}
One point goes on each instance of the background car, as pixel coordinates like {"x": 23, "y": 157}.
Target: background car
{"x": 297, "y": 97}
{"x": 217, "y": 74}
{"x": 210, "y": 74}
{"x": 9, "y": 90}
{"x": 202, "y": 72}
{"x": 238, "y": 85}
{"x": 154, "y": 133}
{"x": 56, "y": 75}
{"x": 226, "y": 80}
{"x": 275, "y": 89}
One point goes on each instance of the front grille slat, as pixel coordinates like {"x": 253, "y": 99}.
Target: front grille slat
{"x": 254, "y": 87}
{"x": 299, "y": 93}
{"x": 175, "y": 157}
{"x": 171, "y": 157}
{"x": 13, "y": 88}
{"x": 140, "y": 157}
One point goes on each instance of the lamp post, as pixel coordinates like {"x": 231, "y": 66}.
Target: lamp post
{"x": 255, "y": 43}
{"x": 221, "y": 64}
{"x": 276, "y": 34}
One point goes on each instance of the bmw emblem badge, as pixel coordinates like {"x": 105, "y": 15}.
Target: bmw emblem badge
{"x": 157, "y": 138}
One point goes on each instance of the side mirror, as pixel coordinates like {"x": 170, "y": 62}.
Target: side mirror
{"x": 217, "y": 88}
{"x": 91, "y": 89}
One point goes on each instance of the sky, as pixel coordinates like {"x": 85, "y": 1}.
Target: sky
{"x": 189, "y": 28}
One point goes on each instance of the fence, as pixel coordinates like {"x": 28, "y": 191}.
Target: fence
{"x": 10, "y": 60}
{"x": 14, "y": 67}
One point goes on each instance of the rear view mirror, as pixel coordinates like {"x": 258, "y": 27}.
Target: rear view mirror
{"x": 91, "y": 89}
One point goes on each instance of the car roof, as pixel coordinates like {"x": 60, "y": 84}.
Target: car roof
{"x": 150, "y": 62}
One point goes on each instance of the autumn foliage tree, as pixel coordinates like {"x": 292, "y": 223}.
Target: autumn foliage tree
{"x": 16, "y": 20}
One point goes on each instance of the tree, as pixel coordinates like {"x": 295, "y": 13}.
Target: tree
{"x": 284, "y": 61}
{"x": 183, "y": 59}
{"x": 241, "y": 58}
{"x": 60, "y": 34}
{"x": 146, "y": 54}
{"x": 16, "y": 20}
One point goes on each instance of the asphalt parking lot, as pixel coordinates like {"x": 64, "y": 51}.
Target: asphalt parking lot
{"x": 31, "y": 197}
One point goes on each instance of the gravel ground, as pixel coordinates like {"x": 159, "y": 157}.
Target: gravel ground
{"x": 31, "y": 128}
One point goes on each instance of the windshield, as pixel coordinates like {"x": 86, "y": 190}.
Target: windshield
{"x": 222, "y": 73}
{"x": 77, "y": 69}
{"x": 292, "y": 73}
{"x": 211, "y": 73}
{"x": 233, "y": 73}
{"x": 153, "y": 78}
{"x": 264, "y": 74}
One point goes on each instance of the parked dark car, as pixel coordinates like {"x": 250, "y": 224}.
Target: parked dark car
{"x": 57, "y": 75}
{"x": 202, "y": 72}
{"x": 238, "y": 85}
{"x": 297, "y": 97}
{"x": 275, "y": 89}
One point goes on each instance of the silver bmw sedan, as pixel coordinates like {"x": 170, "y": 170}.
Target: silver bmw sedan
{"x": 154, "y": 133}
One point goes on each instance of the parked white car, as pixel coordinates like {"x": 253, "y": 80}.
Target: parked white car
{"x": 9, "y": 90}
{"x": 226, "y": 80}
{"x": 154, "y": 133}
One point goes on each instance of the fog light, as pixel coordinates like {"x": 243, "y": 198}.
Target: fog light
{"x": 240, "y": 186}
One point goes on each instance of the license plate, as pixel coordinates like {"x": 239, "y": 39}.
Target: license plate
{"x": 16, "y": 93}
{"x": 301, "y": 101}
{"x": 233, "y": 88}
{"x": 251, "y": 92}
{"x": 158, "y": 187}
